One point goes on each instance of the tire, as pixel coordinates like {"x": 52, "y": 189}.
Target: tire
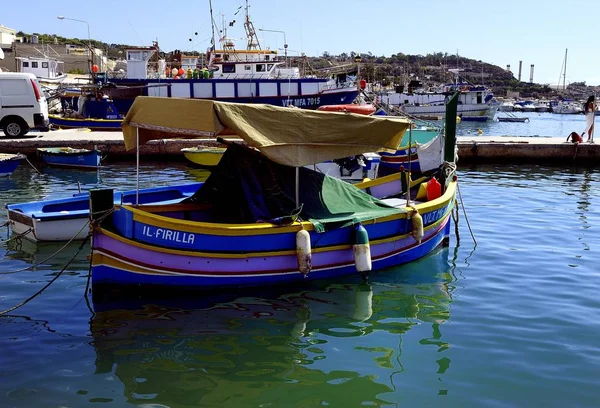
{"x": 15, "y": 127}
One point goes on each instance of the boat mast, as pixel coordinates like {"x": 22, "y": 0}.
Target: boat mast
{"x": 212, "y": 24}
{"x": 253, "y": 43}
{"x": 565, "y": 71}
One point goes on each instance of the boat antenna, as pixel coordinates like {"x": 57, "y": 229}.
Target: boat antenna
{"x": 253, "y": 43}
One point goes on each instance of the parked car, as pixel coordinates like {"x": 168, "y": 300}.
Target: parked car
{"x": 23, "y": 105}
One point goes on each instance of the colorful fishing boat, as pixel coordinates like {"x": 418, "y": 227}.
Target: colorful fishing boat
{"x": 9, "y": 162}
{"x": 203, "y": 156}
{"x": 90, "y": 109}
{"x": 64, "y": 219}
{"x": 70, "y": 157}
{"x": 262, "y": 218}
{"x": 62, "y": 122}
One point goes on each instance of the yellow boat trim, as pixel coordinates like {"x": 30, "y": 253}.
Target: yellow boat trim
{"x": 86, "y": 119}
{"x": 258, "y": 254}
{"x": 267, "y": 228}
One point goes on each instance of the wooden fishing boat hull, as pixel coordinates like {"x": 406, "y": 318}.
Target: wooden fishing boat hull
{"x": 92, "y": 124}
{"x": 204, "y": 156}
{"x": 147, "y": 249}
{"x": 65, "y": 218}
{"x": 9, "y": 163}
{"x": 67, "y": 157}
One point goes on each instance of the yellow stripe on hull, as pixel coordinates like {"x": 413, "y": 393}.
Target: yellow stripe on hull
{"x": 266, "y": 228}
{"x": 270, "y": 253}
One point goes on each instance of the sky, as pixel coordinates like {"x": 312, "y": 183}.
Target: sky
{"x": 533, "y": 31}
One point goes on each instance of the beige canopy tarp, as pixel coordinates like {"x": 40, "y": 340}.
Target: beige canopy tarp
{"x": 290, "y": 136}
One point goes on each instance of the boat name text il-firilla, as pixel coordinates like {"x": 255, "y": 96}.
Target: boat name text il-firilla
{"x": 168, "y": 235}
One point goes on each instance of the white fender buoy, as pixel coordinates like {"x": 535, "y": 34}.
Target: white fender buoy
{"x": 303, "y": 252}
{"x": 417, "y": 225}
{"x": 362, "y": 250}
{"x": 363, "y": 306}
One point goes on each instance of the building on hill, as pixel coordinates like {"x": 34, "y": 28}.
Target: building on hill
{"x": 7, "y": 36}
{"x": 74, "y": 57}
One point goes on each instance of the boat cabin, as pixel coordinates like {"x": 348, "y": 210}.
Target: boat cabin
{"x": 259, "y": 64}
{"x": 44, "y": 68}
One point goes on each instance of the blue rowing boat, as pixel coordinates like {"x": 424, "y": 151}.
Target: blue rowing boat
{"x": 64, "y": 218}
{"x": 69, "y": 157}
{"x": 9, "y": 162}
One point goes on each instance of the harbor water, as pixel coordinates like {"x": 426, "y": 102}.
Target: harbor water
{"x": 540, "y": 124}
{"x": 509, "y": 322}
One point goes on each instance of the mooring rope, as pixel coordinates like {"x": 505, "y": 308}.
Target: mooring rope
{"x": 465, "y": 213}
{"x": 19, "y": 236}
{"x": 49, "y": 283}
{"x": 48, "y": 258}
{"x": 39, "y": 172}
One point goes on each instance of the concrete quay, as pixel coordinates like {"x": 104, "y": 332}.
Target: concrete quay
{"x": 471, "y": 149}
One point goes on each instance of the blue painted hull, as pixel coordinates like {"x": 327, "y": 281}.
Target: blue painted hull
{"x": 105, "y": 274}
{"x": 93, "y": 124}
{"x": 123, "y": 101}
{"x": 8, "y": 166}
{"x": 89, "y": 159}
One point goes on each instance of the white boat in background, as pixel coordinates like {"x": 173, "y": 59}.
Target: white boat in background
{"x": 528, "y": 106}
{"x": 506, "y": 106}
{"x": 567, "y": 108}
{"x": 46, "y": 69}
{"x": 474, "y": 100}
{"x": 542, "y": 106}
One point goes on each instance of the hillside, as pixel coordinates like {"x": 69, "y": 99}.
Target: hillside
{"x": 395, "y": 69}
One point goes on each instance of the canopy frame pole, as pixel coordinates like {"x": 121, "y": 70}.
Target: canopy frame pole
{"x": 408, "y": 171}
{"x": 137, "y": 166}
{"x": 297, "y": 187}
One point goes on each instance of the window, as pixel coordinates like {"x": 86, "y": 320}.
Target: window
{"x": 267, "y": 57}
{"x": 260, "y": 67}
{"x": 25, "y": 64}
{"x": 247, "y": 67}
{"x": 228, "y": 68}
{"x": 269, "y": 67}
{"x": 44, "y": 65}
{"x": 34, "y": 64}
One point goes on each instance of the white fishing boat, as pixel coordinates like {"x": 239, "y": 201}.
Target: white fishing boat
{"x": 417, "y": 100}
{"x": 46, "y": 69}
{"x": 506, "y": 106}
{"x": 229, "y": 74}
{"x": 567, "y": 108}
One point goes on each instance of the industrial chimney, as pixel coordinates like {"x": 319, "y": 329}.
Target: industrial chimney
{"x": 520, "y": 67}
{"x": 531, "y": 75}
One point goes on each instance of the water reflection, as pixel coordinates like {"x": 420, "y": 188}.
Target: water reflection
{"x": 199, "y": 174}
{"x": 69, "y": 176}
{"x": 311, "y": 346}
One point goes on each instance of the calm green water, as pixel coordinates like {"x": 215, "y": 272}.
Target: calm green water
{"x": 510, "y": 323}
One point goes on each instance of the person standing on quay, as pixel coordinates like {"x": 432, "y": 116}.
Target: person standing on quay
{"x": 590, "y": 111}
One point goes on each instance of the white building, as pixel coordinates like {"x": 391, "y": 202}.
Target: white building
{"x": 7, "y": 35}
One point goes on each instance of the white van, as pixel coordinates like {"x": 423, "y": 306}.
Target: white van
{"x": 23, "y": 105}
